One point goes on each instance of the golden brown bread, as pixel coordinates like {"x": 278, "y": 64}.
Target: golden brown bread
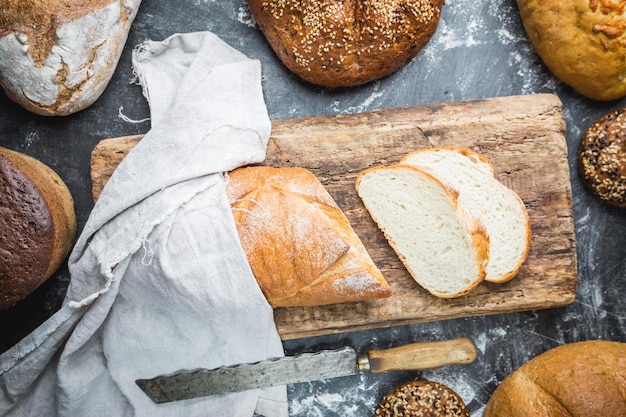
{"x": 581, "y": 41}
{"x": 583, "y": 379}
{"x": 39, "y": 224}
{"x": 59, "y": 55}
{"x": 300, "y": 246}
{"x": 602, "y": 158}
{"x": 346, "y": 43}
{"x": 422, "y": 399}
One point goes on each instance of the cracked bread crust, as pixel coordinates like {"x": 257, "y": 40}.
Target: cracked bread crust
{"x": 58, "y": 56}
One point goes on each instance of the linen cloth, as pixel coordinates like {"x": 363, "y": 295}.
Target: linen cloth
{"x": 159, "y": 281}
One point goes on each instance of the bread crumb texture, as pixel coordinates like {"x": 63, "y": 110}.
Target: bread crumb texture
{"x": 422, "y": 399}
{"x": 344, "y": 43}
{"x": 602, "y": 158}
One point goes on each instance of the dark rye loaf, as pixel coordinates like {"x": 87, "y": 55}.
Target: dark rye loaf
{"x": 38, "y": 225}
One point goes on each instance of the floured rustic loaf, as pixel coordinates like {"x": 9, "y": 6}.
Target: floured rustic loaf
{"x": 581, "y": 42}
{"x": 582, "y": 379}
{"x": 346, "y": 43}
{"x": 300, "y": 246}
{"x": 38, "y": 225}
{"x": 59, "y": 55}
{"x": 443, "y": 249}
{"x": 500, "y": 209}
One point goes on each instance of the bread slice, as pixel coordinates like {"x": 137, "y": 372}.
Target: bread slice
{"x": 444, "y": 250}
{"x": 499, "y": 208}
{"x": 300, "y": 246}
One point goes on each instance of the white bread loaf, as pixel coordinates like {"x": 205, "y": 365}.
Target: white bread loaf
{"x": 59, "y": 55}
{"x": 582, "y": 379}
{"x": 499, "y": 208}
{"x": 300, "y": 246}
{"x": 443, "y": 249}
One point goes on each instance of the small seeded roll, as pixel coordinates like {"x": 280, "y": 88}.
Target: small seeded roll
{"x": 423, "y": 399}
{"x": 602, "y": 158}
{"x": 346, "y": 43}
{"x": 38, "y": 225}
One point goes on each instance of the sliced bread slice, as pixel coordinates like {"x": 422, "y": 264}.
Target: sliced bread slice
{"x": 443, "y": 250}
{"x": 499, "y": 208}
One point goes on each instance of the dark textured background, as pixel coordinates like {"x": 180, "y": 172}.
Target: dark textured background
{"x": 479, "y": 50}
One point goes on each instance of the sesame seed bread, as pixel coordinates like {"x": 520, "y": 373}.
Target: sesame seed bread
{"x": 602, "y": 158}
{"x": 347, "y": 43}
{"x": 582, "y": 379}
{"x": 59, "y": 55}
{"x": 299, "y": 244}
{"x": 499, "y": 208}
{"x": 422, "y": 399}
{"x": 581, "y": 42}
{"x": 38, "y": 223}
{"x": 443, "y": 249}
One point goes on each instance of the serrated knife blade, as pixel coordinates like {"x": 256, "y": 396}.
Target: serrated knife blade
{"x": 325, "y": 364}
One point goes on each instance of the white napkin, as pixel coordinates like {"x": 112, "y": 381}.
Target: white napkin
{"x": 159, "y": 279}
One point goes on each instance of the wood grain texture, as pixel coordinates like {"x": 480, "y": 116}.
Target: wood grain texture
{"x": 524, "y": 138}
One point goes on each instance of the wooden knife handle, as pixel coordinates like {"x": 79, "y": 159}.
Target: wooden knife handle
{"x": 421, "y": 355}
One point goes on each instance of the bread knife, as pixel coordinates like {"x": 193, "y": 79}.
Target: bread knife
{"x": 305, "y": 367}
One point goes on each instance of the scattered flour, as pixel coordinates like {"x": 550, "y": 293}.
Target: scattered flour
{"x": 30, "y": 138}
{"x": 350, "y": 402}
{"x": 244, "y": 16}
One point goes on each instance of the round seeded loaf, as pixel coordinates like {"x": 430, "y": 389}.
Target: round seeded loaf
{"x": 347, "y": 43}
{"x": 422, "y": 399}
{"x": 602, "y": 158}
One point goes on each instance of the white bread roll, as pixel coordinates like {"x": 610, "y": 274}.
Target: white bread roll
{"x": 499, "y": 208}
{"x": 444, "y": 250}
{"x": 58, "y": 56}
{"x": 583, "y": 379}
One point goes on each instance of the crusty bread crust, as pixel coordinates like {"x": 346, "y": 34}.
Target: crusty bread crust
{"x": 583, "y": 379}
{"x": 300, "y": 246}
{"x": 34, "y": 193}
{"x": 581, "y": 42}
{"x": 346, "y": 43}
{"x": 58, "y": 56}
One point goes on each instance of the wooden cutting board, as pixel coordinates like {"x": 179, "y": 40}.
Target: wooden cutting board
{"x": 523, "y": 136}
